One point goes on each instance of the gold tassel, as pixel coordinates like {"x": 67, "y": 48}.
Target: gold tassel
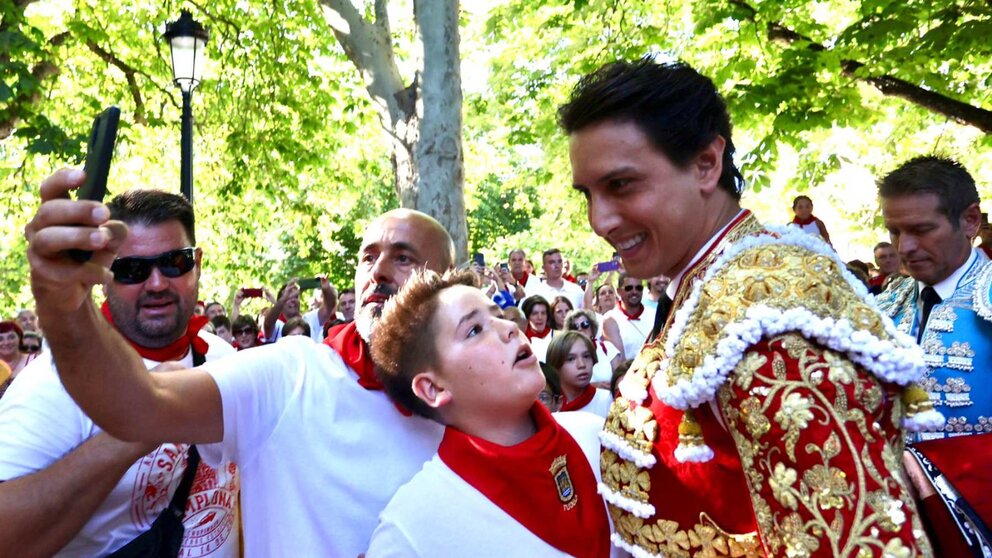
{"x": 920, "y": 415}
{"x": 692, "y": 447}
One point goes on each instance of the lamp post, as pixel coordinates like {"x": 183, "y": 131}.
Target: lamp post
{"x": 187, "y": 40}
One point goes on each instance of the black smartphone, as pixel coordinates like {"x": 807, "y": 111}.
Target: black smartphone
{"x": 251, "y": 293}
{"x": 504, "y": 267}
{"x": 99, "y": 152}
{"x": 478, "y": 259}
{"x": 305, "y": 284}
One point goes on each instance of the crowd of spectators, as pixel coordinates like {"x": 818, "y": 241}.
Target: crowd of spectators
{"x": 613, "y": 310}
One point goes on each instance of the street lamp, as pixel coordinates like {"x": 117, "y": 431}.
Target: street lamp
{"x": 187, "y": 40}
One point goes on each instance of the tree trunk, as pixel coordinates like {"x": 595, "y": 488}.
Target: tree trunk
{"x": 438, "y": 153}
{"x": 423, "y": 120}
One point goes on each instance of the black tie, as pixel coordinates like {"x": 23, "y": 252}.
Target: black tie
{"x": 930, "y": 299}
{"x": 661, "y": 316}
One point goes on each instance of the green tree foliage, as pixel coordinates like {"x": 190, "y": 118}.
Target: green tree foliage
{"x": 819, "y": 92}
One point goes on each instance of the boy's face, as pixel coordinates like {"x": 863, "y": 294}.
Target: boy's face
{"x": 485, "y": 362}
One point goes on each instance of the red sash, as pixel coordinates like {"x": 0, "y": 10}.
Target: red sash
{"x": 580, "y": 401}
{"x": 173, "y": 351}
{"x": 545, "y": 483}
{"x": 531, "y": 334}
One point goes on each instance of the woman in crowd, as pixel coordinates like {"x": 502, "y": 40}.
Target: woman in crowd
{"x": 539, "y": 331}
{"x": 245, "y": 332}
{"x": 11, "y": 349}
{"x": 608, "y": 356}
{"x": 802, "y": 206}
{"x": 296, "y": 326}
{"x": 560, "y": 308}
{"x": 504, "y": 462}
{"x": 572, "y": 355}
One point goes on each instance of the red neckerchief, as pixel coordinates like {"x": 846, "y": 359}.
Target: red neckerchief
{"x": 346, "y": 341}
{"x": 580, "y": 401}
{"x": 631, "y": 317}
{"x": 354, "y": 351}
{"x": 175, "y": 350}
{"x": 803, "y": 222}
{"x": 523, "y": 279}
{"x": 545, "y": 483}
{"x": 531, "y": 334}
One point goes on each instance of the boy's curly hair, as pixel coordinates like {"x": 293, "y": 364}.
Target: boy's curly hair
{"x": 403, "y": 341}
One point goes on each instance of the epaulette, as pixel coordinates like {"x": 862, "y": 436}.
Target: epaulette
{"x": 765, "y": 285}
{"x": 983, "y": 293}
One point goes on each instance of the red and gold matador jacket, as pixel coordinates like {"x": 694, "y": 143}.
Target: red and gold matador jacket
{"x": 768, "y": 417}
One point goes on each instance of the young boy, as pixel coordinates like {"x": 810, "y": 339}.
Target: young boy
{"x": 504, "y": 462}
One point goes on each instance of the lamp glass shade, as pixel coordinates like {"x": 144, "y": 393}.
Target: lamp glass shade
{"x": 187, "y": 61}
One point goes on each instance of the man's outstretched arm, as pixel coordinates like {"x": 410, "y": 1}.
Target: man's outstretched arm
{"x": 105, "y": 376}
{"x": 43, "y": 511}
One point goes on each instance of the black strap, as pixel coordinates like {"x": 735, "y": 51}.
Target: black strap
{"x": 930, "y": 299}
{"x": 660, "y": 316}
{"x": 973, "y": 530}
{"x": 164, "y": 539}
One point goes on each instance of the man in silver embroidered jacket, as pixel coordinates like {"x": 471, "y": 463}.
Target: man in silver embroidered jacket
{"x": 931, "y": 209}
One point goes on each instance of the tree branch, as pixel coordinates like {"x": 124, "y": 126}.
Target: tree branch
{"x": 959, "y": 111}
{"x": 369, "y": 47}
{"x": 129, "y": 72}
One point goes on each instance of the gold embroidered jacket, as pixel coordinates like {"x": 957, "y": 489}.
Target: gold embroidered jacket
{"x": 765, "y": 420}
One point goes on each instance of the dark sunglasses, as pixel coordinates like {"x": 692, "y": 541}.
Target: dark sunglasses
{"x": 32, "y": 348}
{"x": 244, "y": 331}
{"x": 136, "y": 269}
{"x": 628, "y": 288}
{"x": 582, "y": 325}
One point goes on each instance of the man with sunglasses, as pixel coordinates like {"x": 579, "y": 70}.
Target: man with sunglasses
{"x": 71, "y": 490}
{"x": 316, "y": 439}
{"x": 633, "y": 318}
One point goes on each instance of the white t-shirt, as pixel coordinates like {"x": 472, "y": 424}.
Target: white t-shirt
{"x": 539, "y": 346}
{"x": 633, "y": 332}
{"x": 439, "y": 514}
{"x": 569, "y": 290}
{"x": 602, "y": 371}
{"x": 320, "y": 456}
{"x": 40, "y": 424}
{"x": 599, "y": 405}
{"x": 312, "y": 318}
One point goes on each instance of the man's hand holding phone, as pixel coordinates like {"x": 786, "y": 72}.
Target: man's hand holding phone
{"x": 71, "y": 244}
{"x": 59, "y": 282}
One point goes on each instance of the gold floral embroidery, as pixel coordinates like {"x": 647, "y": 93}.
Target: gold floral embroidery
{"x": 793, "y": 416}
{"x": 778, "y": 276}
{"x": 796, "y": 538}
{"x": 624, "y": 477}
{"x": 703, "y": 540}
{"x": 746, "y": 368}
{"x": 781, "y": 482}
{"x": 754, "y": 418}
{"x": 803, "y": 500}
{"x": 829, "y": 485}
